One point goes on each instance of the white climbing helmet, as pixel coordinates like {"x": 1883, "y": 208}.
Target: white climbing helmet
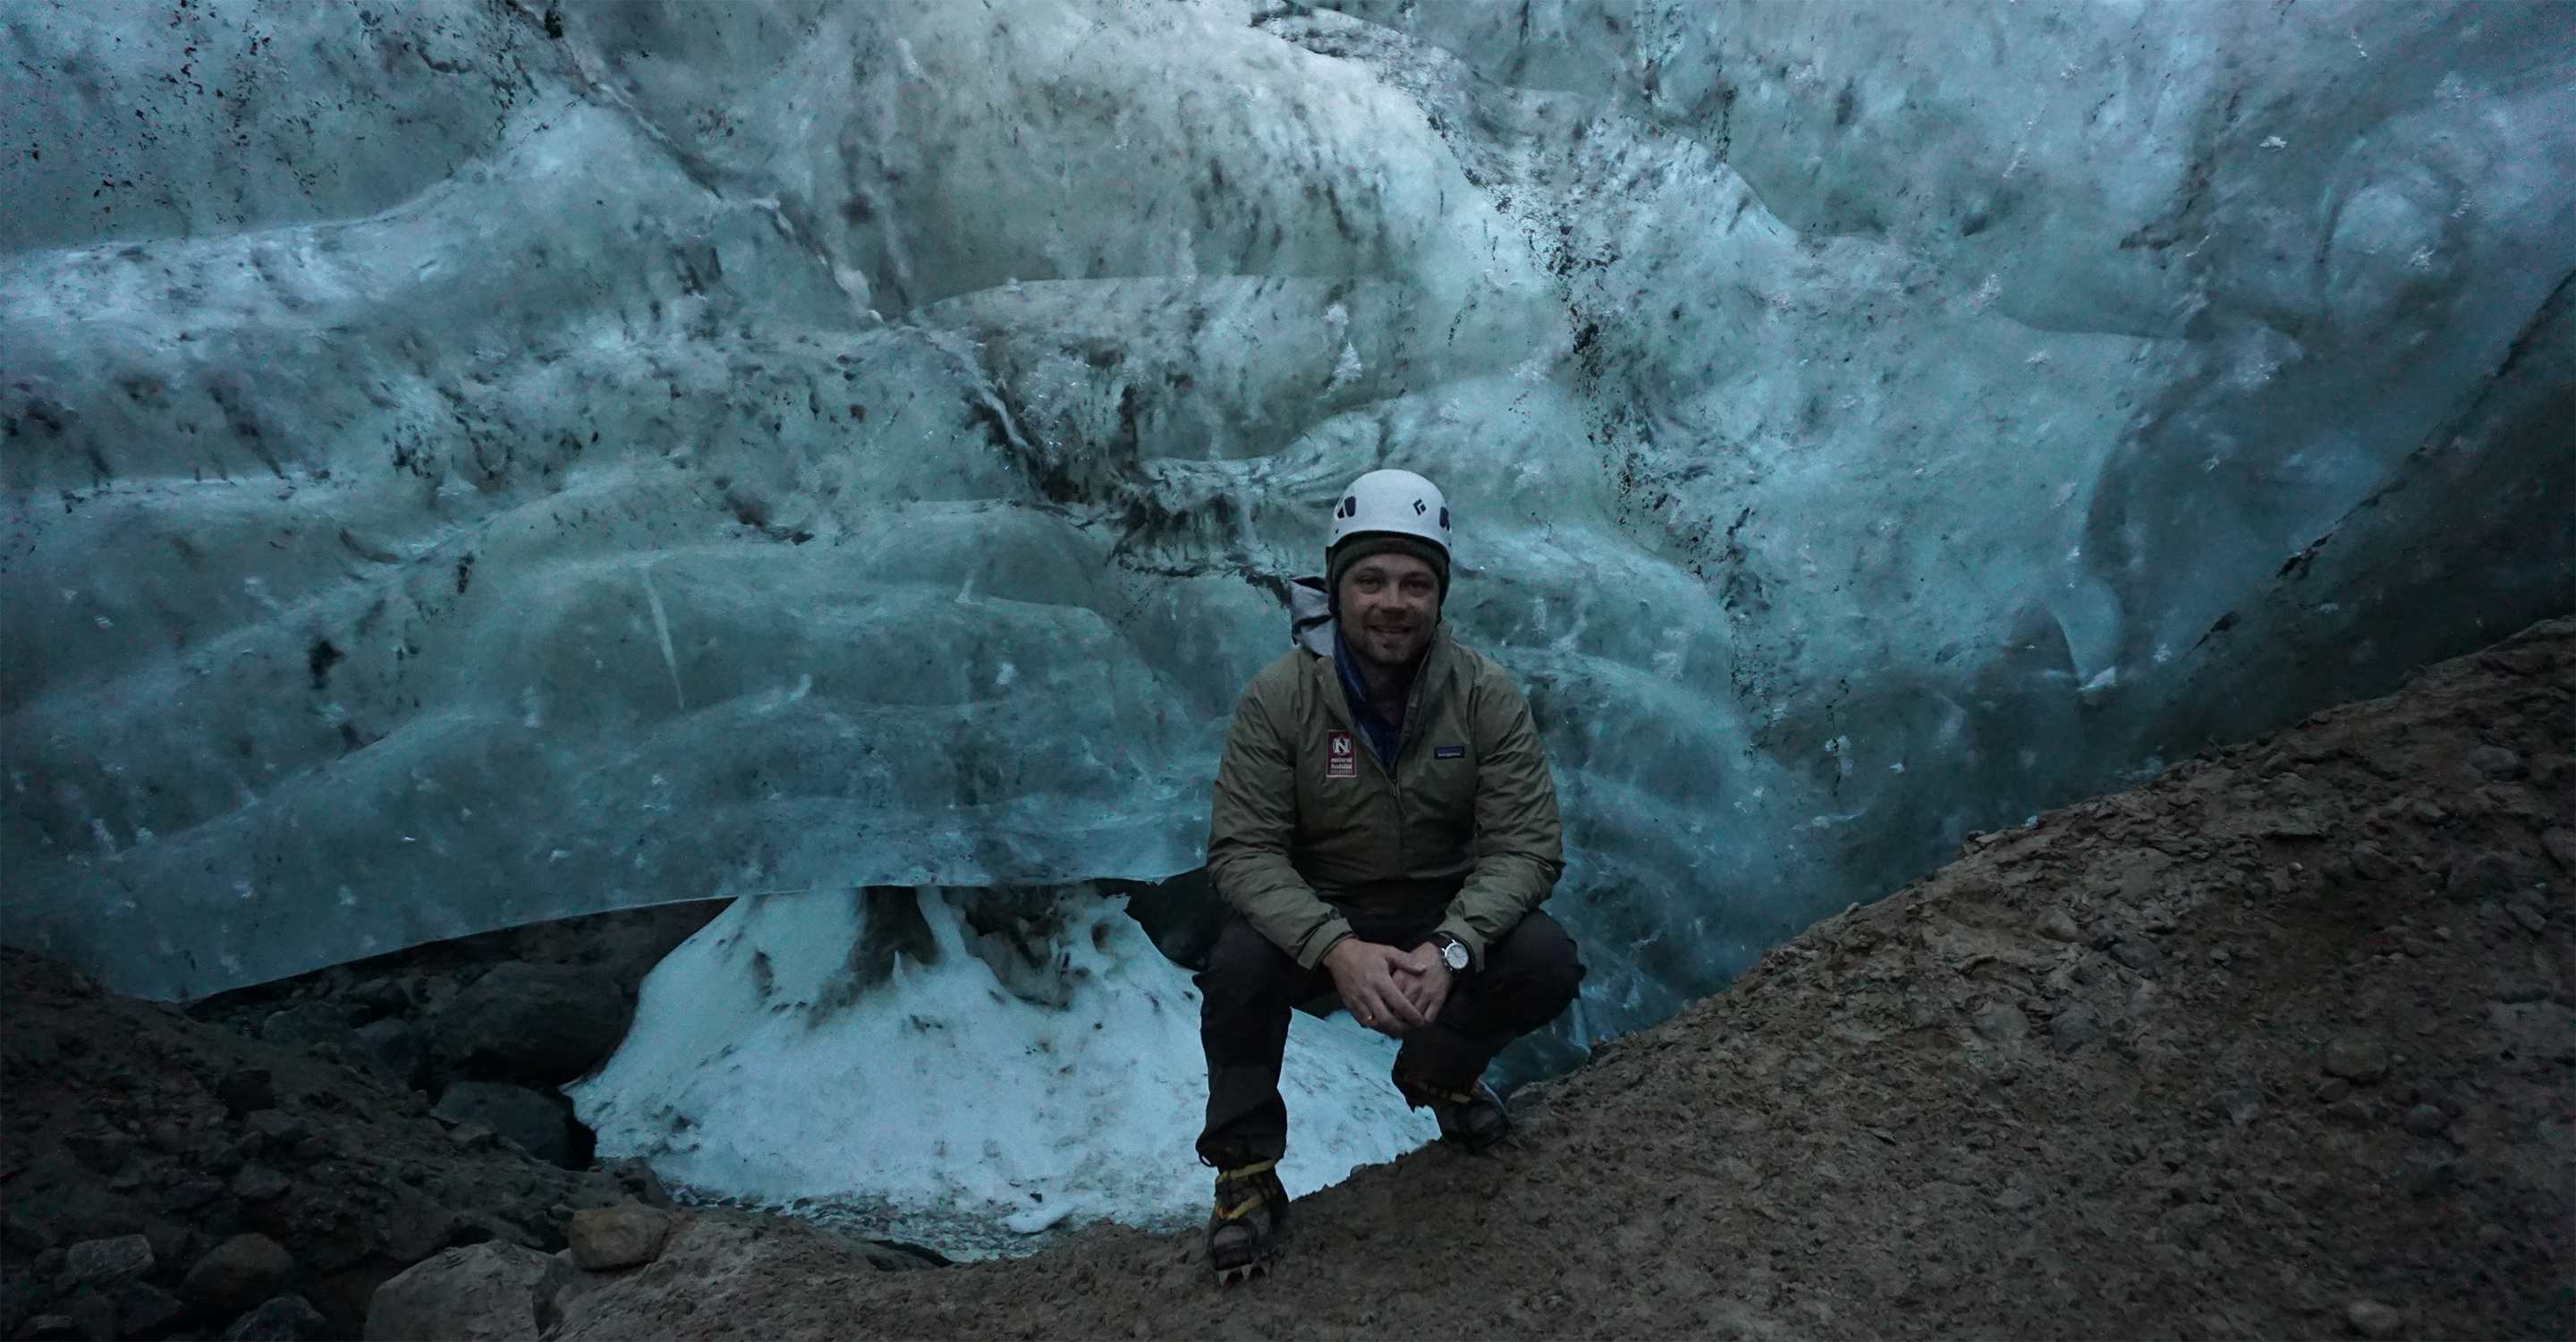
{"x": 1392, "y": 501}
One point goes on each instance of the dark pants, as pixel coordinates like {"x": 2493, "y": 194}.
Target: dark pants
{"x": 1250, "y": 985}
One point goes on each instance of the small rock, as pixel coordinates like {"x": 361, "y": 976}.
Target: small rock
{"x": 2512, "y": 987}
{"x": 99, "y": 1150}
{"x": 2372, "y": 1319}
{"x": 2135, "y": 952}
{"x": 246, "y": 1090}
{"x": 2055, "y": 925}
{"x": 416, "y": 1226}
{"x": 2371, "y": 864}
{"x": 481, "y": 1293}
{"x": 49, "y": 1328}
{"x": 629, "y": 1233}
{"x": 389, "y": 1049}
{"x": 259, "y": 1183}
{"x": 275, "y": 1126}
{"x": 2072, "y": 1029}
{"x": 2352, "y": 1113}
{"x": 306, "y": 1025}
{"x": 2529, "y": 915}
{"x": 2356, "y": 1059}
{"x": 532, "y": 1120}
{"x": 236, "y": 1274}
{"x": 2497, "y": 764}
{"x": 187, "y": 1195}
{"x": 2475, "y": 875}
{"x": 2430, "y": 1177}
{"x": 2336, "y": 1090}
{"x": 2239, "y": 1104}
{"x": 102, "y": 1262}
{"x": 2560, "y": 843}
{"x": 2001, "y": 1022}
{"x": 25, "y": 1232}
{"x": 287, "y": 1318}
{"x": 2425, "y": 1120}
{"x": 640, "y": 1180}
{"x": 141, "y": 1308}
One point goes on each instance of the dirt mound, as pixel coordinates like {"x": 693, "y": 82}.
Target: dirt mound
{"x": 128, "y": 1119}
{"x": 2279, "y": 1044}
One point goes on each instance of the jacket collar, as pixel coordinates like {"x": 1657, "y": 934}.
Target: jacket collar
{"x": 1439, "y": 662}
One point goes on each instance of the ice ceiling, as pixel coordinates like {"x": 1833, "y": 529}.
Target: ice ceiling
{"x": 474, "y": 464}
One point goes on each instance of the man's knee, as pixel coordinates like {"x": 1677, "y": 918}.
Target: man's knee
{"x": 1540, "y": 956}
{"x": 1244, "y": 967}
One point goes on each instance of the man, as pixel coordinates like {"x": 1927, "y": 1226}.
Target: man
{"x": 1384, "y": 824}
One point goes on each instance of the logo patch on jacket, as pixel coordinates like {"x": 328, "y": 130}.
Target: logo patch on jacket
{"x": 1448, "y": 752}
{"x": 1341, "y": 755}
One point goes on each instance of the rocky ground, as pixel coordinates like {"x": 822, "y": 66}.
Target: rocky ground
{"x": 2282, "y": 1043}
{"x": 166, "y": 1177}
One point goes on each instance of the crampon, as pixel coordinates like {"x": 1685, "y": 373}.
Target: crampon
{"x": 1251, "y": 1210}
{"x": 1473, "y": 1118}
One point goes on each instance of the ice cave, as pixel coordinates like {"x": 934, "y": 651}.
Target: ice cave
{"x": 472, "y": 464}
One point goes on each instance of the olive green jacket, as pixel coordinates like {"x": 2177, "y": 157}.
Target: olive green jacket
{"x": 1304, "y": 817}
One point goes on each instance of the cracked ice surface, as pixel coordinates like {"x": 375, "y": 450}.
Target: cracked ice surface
{"x": 489, "y": 496}
{"x": 971, "y": 1091}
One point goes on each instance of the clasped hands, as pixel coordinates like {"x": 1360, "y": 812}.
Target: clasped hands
{"x": 1390, "y": 991}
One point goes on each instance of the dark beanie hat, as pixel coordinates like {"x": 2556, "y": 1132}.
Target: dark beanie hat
{"x": 1353, "y": 549}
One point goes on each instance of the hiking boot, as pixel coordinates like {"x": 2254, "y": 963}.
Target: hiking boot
{"x": 1251, "y": 1209}
{"x": 1473, "y": 1118}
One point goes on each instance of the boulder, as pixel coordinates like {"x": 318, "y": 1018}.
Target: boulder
{"x": 602, "y": 1238}
{"x": 534, "y": 1121}
{"x": 237, "y": 1274}
{"x": 485, "y": 1292}
{"x": 534, "y": 1024}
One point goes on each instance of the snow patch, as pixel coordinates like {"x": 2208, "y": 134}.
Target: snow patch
{"x": 876, "y": 1060}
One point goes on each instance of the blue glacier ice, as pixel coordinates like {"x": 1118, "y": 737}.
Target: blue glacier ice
{"x": 469, "y": 465}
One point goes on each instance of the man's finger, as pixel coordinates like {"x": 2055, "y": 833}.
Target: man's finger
{"x": 1398, "y": 1007}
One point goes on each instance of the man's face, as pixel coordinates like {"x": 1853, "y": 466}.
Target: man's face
{"x": 1390, "y": 604}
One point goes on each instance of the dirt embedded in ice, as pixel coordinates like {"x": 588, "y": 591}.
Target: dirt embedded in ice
{"x": 2282, "y": 1043}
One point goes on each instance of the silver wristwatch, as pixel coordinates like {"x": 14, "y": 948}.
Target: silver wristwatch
{"x": 1453, "y": 952}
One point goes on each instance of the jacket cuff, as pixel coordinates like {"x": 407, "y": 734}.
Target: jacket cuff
{"x": 1456, "y": 926}
{"x": 1321, "y": 941}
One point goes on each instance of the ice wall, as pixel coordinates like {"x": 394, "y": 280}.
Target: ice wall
{"x": 466, "y": 477}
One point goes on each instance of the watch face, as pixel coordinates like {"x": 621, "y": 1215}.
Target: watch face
{"x": 1454, "y": 955}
